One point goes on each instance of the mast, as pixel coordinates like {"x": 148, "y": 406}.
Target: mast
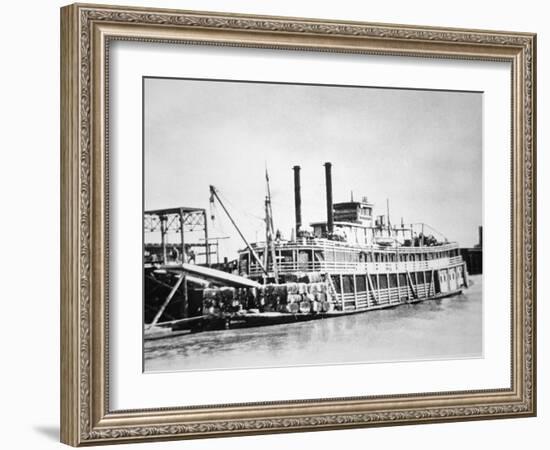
{"x": 214, "y": 193}
{"x": 266, "y": 248}
{"x": 297, "y": 202}
{"x": 270, "y": 228}
{"x": 388, "y": 215}
{"x": 330, "y": 207}
{"x": 269, "y": 201}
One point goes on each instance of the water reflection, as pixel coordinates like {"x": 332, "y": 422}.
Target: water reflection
{"x": 446, "y": 328}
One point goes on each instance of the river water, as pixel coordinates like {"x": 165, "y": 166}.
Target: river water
{"x": 447, "y": 328}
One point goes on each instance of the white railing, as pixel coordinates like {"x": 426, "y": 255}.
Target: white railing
{"x": 325, "y": 244}
{"x": 355, "y": 267}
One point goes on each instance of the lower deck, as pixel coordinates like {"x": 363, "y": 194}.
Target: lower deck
{"x": 369, "y": 291}
{"x": 312, "y": 296}
{"x": 261, "y": 319}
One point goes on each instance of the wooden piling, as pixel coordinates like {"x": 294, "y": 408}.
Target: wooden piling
{"x": 167, "y": 301}
{"x": 182, "y": 234}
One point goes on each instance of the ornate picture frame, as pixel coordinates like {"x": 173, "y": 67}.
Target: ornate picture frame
{"x": 86, "y": 34}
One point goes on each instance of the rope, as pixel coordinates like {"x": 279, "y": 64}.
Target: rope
{"x": 438, "y": 232}
{"x": 237, "y": 209}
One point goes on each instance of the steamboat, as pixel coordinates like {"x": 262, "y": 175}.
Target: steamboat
{"x": 350, "y": 263}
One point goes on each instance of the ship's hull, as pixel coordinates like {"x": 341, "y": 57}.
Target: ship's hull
{"x": 261, "y": 319}
{"x": 319, "y": 287}
{"x": 359, "y": 277}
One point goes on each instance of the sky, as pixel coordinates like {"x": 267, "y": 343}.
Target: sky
{"x": 420, "y": 149}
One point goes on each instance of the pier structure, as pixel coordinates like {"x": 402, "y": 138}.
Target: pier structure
{"x": 176, "y": 271}
{"x": 474, "y": 255}
{"x": 180, "y": 220}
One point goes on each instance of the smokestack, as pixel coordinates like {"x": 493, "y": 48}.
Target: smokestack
{"x": 297, "y": 199}
{"x": 480, "y": 236}
{"x": 330, "y": 213}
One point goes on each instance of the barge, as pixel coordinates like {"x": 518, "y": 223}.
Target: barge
{"x": 353, "y": 262}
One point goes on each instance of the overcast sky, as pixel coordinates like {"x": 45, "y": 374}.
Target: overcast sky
{"x": 421, "y": 149}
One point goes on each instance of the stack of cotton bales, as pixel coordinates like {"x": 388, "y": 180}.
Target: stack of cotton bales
{"x": 217, "y": 301}
{"x": 211, "y": 300}
{"x": 288, "y": 298}
{"x": 307, "y": 298}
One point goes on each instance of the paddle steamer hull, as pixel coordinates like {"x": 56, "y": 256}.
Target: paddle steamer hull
{"x": 351, "y": 263}
{"x": 335, "y": 276}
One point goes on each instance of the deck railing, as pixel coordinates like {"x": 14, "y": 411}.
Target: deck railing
{"x": 376, "y": 298}
{"x": 325, "y": 244}
{"x": 355, "y": 267}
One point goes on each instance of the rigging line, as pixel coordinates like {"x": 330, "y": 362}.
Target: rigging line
{"x": 431, "y": 228}
{"x": 437, "y": 231}
{"x": 235, "y": 208}
{"x": 214, "y": 193}
{"x": 222, "y": 221}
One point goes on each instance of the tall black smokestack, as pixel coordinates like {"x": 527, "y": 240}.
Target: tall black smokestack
{"x": 297, "y": 199}
{"x": 330, "y": 214}
{"x": 480, "y": 238}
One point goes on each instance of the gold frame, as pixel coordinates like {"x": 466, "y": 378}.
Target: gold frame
{"x": 86, "y": 31}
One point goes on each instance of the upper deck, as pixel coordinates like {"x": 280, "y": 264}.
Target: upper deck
{"x": 327, "y": 256}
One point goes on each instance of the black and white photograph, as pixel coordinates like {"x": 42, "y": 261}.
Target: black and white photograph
{"x": 296, "y": 224}
{"x": 243, "y": 225}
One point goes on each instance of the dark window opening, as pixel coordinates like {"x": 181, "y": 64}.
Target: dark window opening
{"x": 361, "y": 282}
{"x": 348, "y": 284}
{"x": 420, "y": 277}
